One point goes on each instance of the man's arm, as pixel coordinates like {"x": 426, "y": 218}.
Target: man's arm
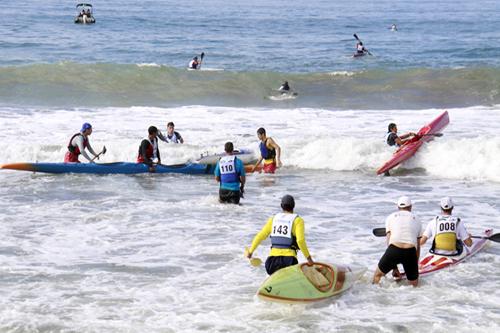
{"x": 258, "y": 163}
{"x": 263, "y": 234}
{"x": 78, "y": 140}
{"x": 161, "y": 136}
{"x": 177, "y": 134}
{"x": 274, "y": 145}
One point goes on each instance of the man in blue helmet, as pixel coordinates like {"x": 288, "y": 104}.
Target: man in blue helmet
{"x": 77, "y": 145}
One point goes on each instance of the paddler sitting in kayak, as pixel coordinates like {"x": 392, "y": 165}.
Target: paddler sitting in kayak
{"x": 270, "y": 152}
{"x": 403, "y": 230}
{"x": 446, "y": 230}
{"x": 393, "y": 139}
{"x": 230, "y": 173}
{"x": 148, "y": 150}
{"x": 287, "y": 236}
{"x": 77, "y": 145}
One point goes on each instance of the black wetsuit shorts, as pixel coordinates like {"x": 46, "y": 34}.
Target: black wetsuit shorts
{"x": 228, "y": 196}
{"x": 394, "y": 256}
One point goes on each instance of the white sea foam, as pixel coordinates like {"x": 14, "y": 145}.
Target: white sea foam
{"x": 158, "y": 253}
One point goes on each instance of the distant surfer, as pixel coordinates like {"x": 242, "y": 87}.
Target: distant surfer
{"x": 230, "y": 173}
{"x": 393, "y": 139}
{"x": 394, "y": 27}
{"x": 270, "y": 152}
{"x": 77, "y": 145}
{"x": 148, "y": 150}
{"x": 193, "y": 64}
{"x": 403, "y": 231}
{"x": 446, "y": 231}
{"x": 285, "y": 88}
{"x": 287, "y": 237}
{"x": 172, "y": 136}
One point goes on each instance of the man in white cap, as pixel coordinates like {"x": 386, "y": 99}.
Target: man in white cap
{"x": 403, "y": 230}
{"x": 446, "y": 230}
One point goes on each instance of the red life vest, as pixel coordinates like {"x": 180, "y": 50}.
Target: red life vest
{"x": 74, "y": 151}
{"x": 149, "y": 152}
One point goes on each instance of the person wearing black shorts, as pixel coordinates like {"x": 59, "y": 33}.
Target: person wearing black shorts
{"x": 403, "y": 231}
{"x": 230, "y": 173}
{"x": 394, "y": 256}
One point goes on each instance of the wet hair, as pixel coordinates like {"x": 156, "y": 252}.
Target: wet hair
{"x": 287, "y": 203}
{"x": 261, "y": 131}
{"x": 170, "y": 124}
{"x": 228, "y": 147}
{"x": 390, "y": 127}
{"x": 152, "y": 130}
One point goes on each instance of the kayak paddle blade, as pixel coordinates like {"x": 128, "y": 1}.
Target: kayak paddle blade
{"x": 379, "y": 232}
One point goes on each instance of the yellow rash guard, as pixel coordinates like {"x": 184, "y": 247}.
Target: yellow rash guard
{"x": 297, "y": 231}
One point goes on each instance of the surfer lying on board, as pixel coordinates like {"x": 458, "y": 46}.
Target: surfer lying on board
{"x": 148, "y": 150}
{"x": 446, "y": 230}
{"x": 403, "y": 230}
{"x": 230, "y": 173}
{"x": 270, "y": 152}
{"x": 77, "y": 145}
{"x": 393, "y": 139}
{"x": 172, "y": 135}
{"x": 287, "y": 237}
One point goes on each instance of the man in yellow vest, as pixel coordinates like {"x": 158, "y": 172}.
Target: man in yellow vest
{"x": 446, "y": 229}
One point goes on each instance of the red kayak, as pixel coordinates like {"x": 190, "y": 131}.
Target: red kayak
{"x": 409, "y": 148}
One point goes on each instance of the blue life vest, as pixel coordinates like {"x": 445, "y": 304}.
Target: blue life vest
{"x": 227, "y": 167}
{"x": 281, "y": 231}
{"x": 265, "y": 152}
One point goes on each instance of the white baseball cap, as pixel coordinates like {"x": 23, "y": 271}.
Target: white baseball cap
{"x": 404, "y": 202}
{"x": 446, "y": 203}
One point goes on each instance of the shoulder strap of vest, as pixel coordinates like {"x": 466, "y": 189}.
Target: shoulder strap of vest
{"x": 70, "y": 146}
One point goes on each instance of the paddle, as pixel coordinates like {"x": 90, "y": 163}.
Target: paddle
{"x": 380, "y": 232}
{"x": 102, "y": 152}
{"x": 201, "y": 59}
{"x": 253, "y": 261}
{"x": 359, "y": 40}
{"x": 431, "y": 134}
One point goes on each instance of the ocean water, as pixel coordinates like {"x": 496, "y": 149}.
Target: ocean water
{"x": 158, "y": 253}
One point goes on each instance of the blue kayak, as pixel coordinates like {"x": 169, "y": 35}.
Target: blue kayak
{"x": 111, "y": 168}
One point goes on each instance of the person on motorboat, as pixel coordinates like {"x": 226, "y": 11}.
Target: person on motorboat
{"x": 148, "y": 150}
{"x": 193, "y": 64}
{"x": 285, "y": 88}
{"x": 448, "y": 231}
{"x": 270, "y": 152}
{"x": 393, "y": 139}
{"x": 172, "y": 136}
{"x": 77, "y": 145}
{"x": 403, "y": 230}
{"x": 286, "y": 230}
{"x": 230, "y": 173}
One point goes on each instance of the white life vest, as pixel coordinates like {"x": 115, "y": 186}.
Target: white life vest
{"x": 360, "y": 48}
{"x": 281, "y": 230}
{"x": 172, "y": 139}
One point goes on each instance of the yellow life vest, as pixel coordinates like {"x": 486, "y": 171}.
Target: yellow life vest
{"x": 446, "y": 233}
